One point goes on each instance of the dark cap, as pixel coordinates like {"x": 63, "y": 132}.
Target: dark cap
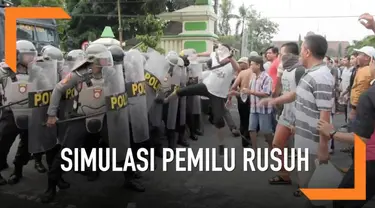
{"x": 256, "y": 59}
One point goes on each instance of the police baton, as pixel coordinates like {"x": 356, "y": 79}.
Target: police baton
{"x": 14, "y": 103}
{"x": 77, "y": 118}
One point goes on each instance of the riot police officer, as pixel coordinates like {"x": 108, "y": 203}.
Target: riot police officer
{"x": 156, "y": 70}
{"x": 22, "y": 111}
{"x": 71, "y": 58}
{"x": 55, "y": 54}
{"x": 181, "y": 116}
{"x": 134, "y": 63}
{"x": 4, "y": 70}
{"x": 194, "y": 70}
{"x": 93, "y": 77}
{"x": 170, "y": 110}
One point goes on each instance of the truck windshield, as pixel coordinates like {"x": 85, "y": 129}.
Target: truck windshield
{"x": 25, "y": 32}
{"x": 35, "y": 33}
{"x": 45, "y": 34}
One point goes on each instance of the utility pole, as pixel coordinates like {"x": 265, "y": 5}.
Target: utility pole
{"x": 119, "y": 22}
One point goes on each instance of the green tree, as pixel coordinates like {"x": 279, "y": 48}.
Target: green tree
{"x": 153, "y": 31}
{"x": 367, "y": 41}
{"x": 173, "y": 5}
{"x": 225, "y": 15}
{"x": 243, "y": 14}
{"x": 261, "y": 31}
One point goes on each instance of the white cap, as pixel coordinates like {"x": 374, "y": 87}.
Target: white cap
{"x": 368, "y": 50}
{"x": 243, "y": 60}
{"x": 253, "y": 53}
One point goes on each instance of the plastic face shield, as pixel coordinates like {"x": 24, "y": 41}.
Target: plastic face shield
{"x": 28, "y": 57}
{"x": 103, "y": 59}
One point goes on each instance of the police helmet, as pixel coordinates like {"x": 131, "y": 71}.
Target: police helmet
{"x": 117, "y": 53}
{"x": 99, "y": 55}
{"x": 180, "y": 62}
{"x": 52, "y": 52}
{"x": 172, "y": 58}
{"x": 75, "y": 55}
{"x": 26, "y": 52}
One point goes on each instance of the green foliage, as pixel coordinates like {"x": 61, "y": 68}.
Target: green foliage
{"x": 153, "y": 31}
{"x": 367, "y": 41}
{"x": 225, "y": 13}
{"x": 260, "y": 29}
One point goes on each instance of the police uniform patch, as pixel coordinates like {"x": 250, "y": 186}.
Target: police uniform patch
{"x": 66, "y": 78}
{"x": 22, "y": 88}
{"x": 97, "y": 93}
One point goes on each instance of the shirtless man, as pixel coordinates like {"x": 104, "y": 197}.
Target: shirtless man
{"x": 243, "y": 81}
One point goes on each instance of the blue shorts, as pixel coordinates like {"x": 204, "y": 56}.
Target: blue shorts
{"x": 264, "y": 121}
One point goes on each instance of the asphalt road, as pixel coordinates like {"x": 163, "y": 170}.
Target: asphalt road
{"x": 166, "y": 189}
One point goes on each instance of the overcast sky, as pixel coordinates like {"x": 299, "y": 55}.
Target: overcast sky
{"x": 345, "y": 29}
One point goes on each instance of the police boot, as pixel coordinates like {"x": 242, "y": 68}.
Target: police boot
{"x": 50, "y": 193}
{"x": 137, "y": 174}
{"x": 39, "y": 166}
{"x": 16, "y": 175}
{"x": 131, "y": 182}
{"x": 197, "y": 125}
{"x": 2, "y": 181}
{"x": 181, "y": 137}
{"x": 192, "y": 135}
{"x": 171, "y": 136}
{"x": 155, "y": 142}
{"x": 62, "y": 184}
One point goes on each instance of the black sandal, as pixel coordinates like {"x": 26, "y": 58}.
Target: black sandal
{"x": 298, "y": 193}
{"x": 278, "y": 180}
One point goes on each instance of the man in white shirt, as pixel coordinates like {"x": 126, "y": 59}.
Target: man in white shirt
{"x": 215, "y": 86}
{"x": 345, "y": 82}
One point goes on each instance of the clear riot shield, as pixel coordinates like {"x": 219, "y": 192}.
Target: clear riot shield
{"x": 44, "y": 75}
{"x": 66, "y": 68}
{"x": 67, "y": 99}
{"x": 16, "y": 95}
{"x": 174, "y": 83}
{"x": 157, "y": 65}
{"x": 156, "y": 69}
{"x": 182, "y": 100}
{"x": 117, "y": 110}
{"x": 195, "y": 73}
{"x": 134, "y": 63}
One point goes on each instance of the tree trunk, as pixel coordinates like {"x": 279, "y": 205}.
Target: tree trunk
{"x": 216, "y": 7}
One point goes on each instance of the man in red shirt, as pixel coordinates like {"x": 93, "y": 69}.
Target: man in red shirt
{"x": 272, "y": 54}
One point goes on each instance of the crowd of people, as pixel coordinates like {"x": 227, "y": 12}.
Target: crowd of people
{"x": 303, "y": 88}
